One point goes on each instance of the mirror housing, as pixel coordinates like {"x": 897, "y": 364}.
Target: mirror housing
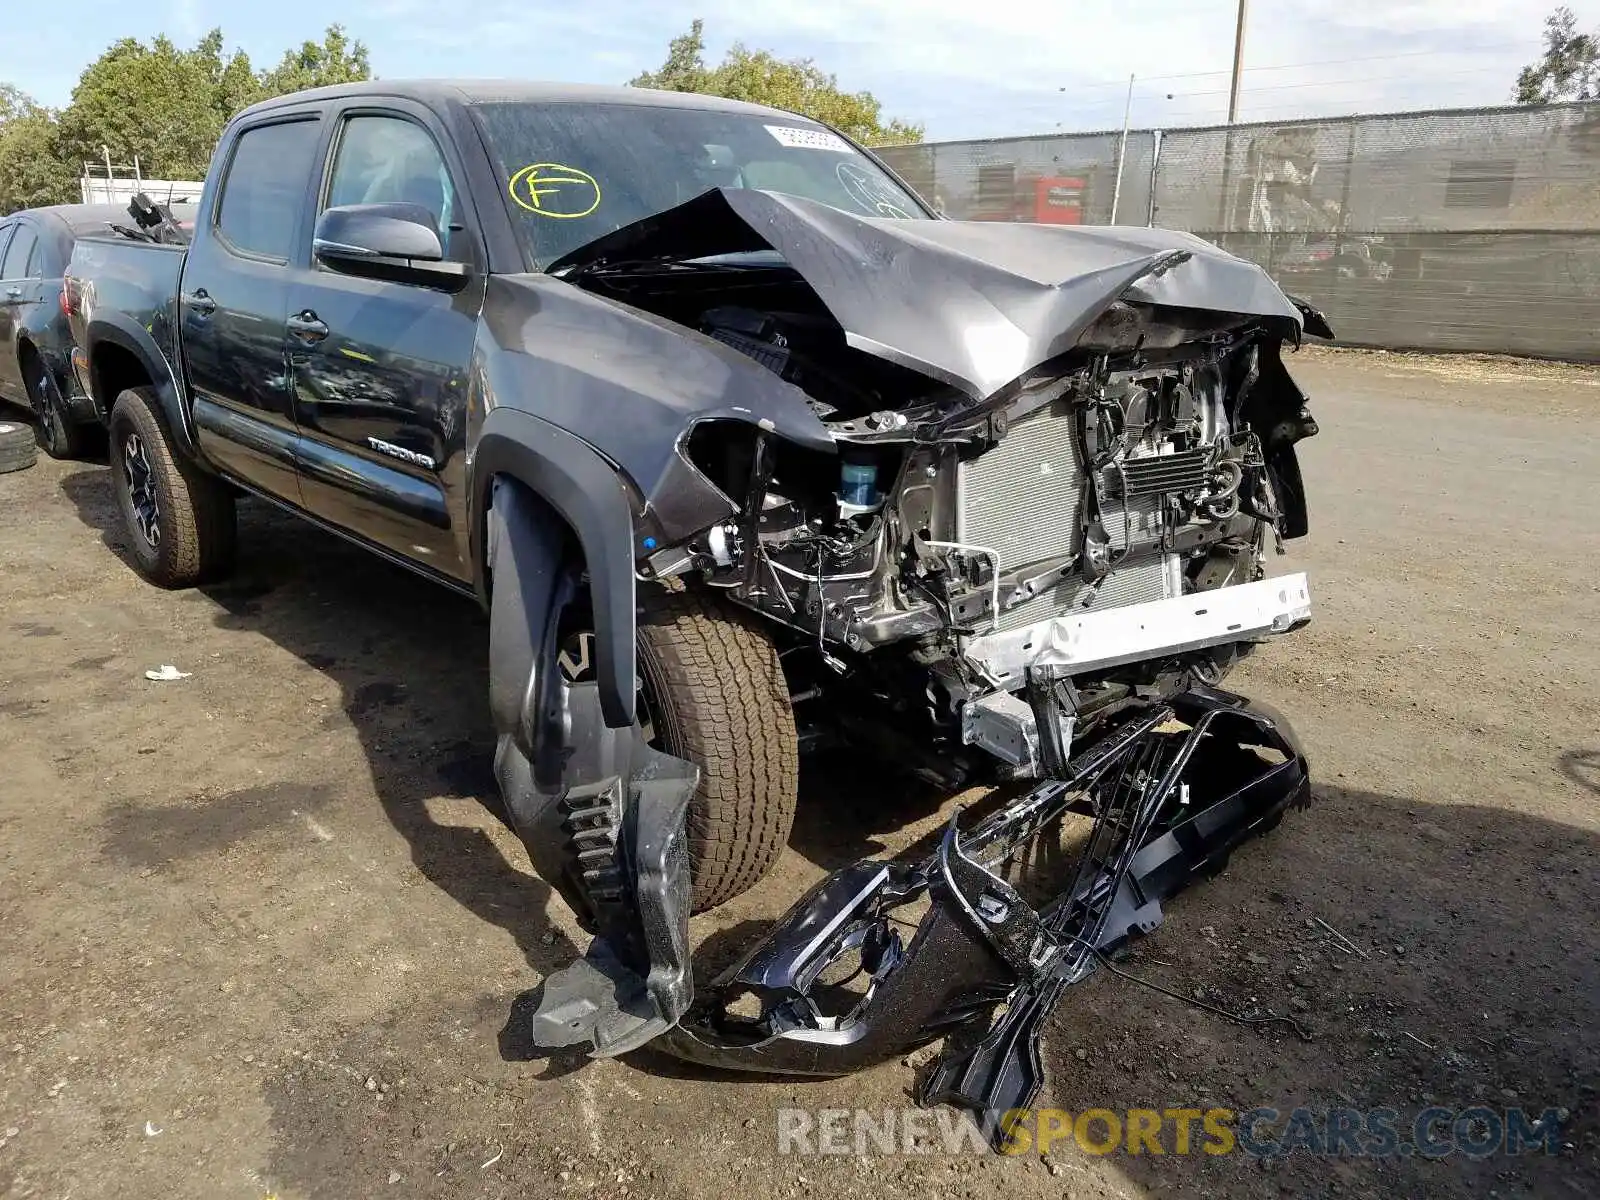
{"x": 397, "y": 242}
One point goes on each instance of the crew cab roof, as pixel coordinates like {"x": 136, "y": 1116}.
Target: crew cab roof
{"x": 81, "y": 218}
{"x": 434, "y": 92}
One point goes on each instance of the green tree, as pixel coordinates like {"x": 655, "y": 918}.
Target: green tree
{"x": 685, "y": 68}
{"x": 335, "y": 59}
{"x": 167, "y": 106}
{"x": 155, "y": 103}
{"x": 32, "y": 172}
{"x": 231, "y": 83}
{"x": 13, "y": 102}
{"x": 1569, "y": 68}
{"x": 759, "y": 76}
{"x": 158, "y": 103}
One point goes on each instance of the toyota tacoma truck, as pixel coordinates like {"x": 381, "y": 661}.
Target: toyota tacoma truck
{"x": 745, "y": 449}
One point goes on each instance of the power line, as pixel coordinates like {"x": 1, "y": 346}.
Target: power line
{"x": 1281, "y": 112}
{"x": 1320, "y": 108}
{"x": 1154, "y": 96}
{"x": 1284, "y": 87}
{"x": 1324, "y": 62}
{"x": 1150, "y": 114}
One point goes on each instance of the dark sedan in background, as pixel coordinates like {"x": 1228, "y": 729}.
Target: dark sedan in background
{"x": 35, "y": 343}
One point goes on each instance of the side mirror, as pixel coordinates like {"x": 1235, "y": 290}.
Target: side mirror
{"x": 397, "y": 242}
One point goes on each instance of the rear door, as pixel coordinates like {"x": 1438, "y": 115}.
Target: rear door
{"x": 19, "y": 292}
{"x": 7, "y": 229}
{"x": 233, "y": 302}
{"x": 380, "y": 367}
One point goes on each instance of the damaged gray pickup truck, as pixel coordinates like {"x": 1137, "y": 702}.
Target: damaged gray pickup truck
{"x": 745, "y": 449}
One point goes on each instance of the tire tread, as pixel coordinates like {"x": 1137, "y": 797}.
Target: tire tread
{"x": 198, "y": 522}
{"x": 18, "y": 450}
{"x": 729, "y": 713}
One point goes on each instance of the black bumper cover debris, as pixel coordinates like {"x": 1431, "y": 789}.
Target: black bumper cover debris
{"x": 1172, "y": 787}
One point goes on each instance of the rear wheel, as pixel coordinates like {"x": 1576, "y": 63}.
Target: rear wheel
{"x": 180, "y": 520}
{"x": 59, "y": 436}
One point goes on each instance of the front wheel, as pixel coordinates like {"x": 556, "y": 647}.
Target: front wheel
{"x": 180, "y": 520}
{"x": 713, "y": 692}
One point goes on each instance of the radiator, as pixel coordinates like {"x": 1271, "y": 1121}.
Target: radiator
{"x": 1023, "y": 500}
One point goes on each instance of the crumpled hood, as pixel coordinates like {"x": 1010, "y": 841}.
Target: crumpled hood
{"x": 974, "y": 304}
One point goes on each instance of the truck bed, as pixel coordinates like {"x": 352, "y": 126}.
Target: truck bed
{"x": 131, "y": 282}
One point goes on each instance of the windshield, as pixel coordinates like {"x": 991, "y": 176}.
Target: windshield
{"x": 574, "y": 172}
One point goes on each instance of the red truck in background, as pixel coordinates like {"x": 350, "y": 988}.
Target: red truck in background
{"x": 1004, "y": 195}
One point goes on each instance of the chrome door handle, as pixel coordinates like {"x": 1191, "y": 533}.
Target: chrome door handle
{"x": 307, "y": 326}
{"x": 14, "y": 295}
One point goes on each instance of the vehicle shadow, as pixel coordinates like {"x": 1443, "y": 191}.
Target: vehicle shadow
{"x": 89, "y": 489}
{"x": 411, "y": 662}
{"x": 851, "y": 807}
{"x": 1476, "y": 982}
{"x": 1583, "y": 768}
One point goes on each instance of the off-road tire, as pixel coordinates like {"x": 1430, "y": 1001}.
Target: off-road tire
{"x": 58, "y": 434}
{"x": 194, "y": 511}
{"x": 17, "y": 448}
{"x": 719, "y": 699}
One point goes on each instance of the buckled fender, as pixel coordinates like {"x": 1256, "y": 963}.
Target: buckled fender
{"x": 602, "y": 813}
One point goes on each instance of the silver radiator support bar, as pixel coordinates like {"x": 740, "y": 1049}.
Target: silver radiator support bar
{"x": 1093, "y": 641}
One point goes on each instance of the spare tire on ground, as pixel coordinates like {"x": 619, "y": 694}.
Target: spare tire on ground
{"x": 18, "y": 450}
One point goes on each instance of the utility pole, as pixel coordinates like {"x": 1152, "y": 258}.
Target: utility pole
{"x": 1122, "y": 152}
{"x": 1238, "y": 62}
{"x": 1224, "y": 200}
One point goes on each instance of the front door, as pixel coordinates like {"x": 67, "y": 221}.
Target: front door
{"x": 19, "y": 292}
{"x": 380, "y": 368}
{"x": 233, "y": 305}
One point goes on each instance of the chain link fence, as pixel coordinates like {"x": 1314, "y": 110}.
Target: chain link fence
{"x": 1469, "y": 229}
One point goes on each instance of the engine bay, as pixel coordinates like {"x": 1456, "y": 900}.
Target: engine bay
{"x": 1143, "y": 464}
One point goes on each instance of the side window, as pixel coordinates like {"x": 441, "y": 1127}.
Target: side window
{"x": 37, "y": 261}
{"x": 5, "y": 236}
{"x": 389, "y": 160}
{"x": 264, "y": 192}
{"x": 15, "y": 265}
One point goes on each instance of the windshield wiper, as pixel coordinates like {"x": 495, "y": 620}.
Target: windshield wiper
{"x": 663, "y": 263}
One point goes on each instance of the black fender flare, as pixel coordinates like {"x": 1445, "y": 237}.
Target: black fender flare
{"x": 118, "y": 329}
{"x": 593, "y": 498}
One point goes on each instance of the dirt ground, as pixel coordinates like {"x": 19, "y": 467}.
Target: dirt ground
{"x": 264, "y": 935}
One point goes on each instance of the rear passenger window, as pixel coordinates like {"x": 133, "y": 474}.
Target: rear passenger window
{"x": 15, "y": 265}
{"x": 264, "y": 193}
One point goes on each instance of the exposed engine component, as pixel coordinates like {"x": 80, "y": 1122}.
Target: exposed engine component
{"x": 965, "y": 541}
{"x": 979, "y": 540}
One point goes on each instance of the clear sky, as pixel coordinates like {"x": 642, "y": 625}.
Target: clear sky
{"x": 964, "y": 68}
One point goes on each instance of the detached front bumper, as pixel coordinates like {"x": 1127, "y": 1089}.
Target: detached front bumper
{"x": 1171, "y": 789}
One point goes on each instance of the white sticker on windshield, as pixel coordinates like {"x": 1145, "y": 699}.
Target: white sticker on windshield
{"x": 809, "y": 139}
